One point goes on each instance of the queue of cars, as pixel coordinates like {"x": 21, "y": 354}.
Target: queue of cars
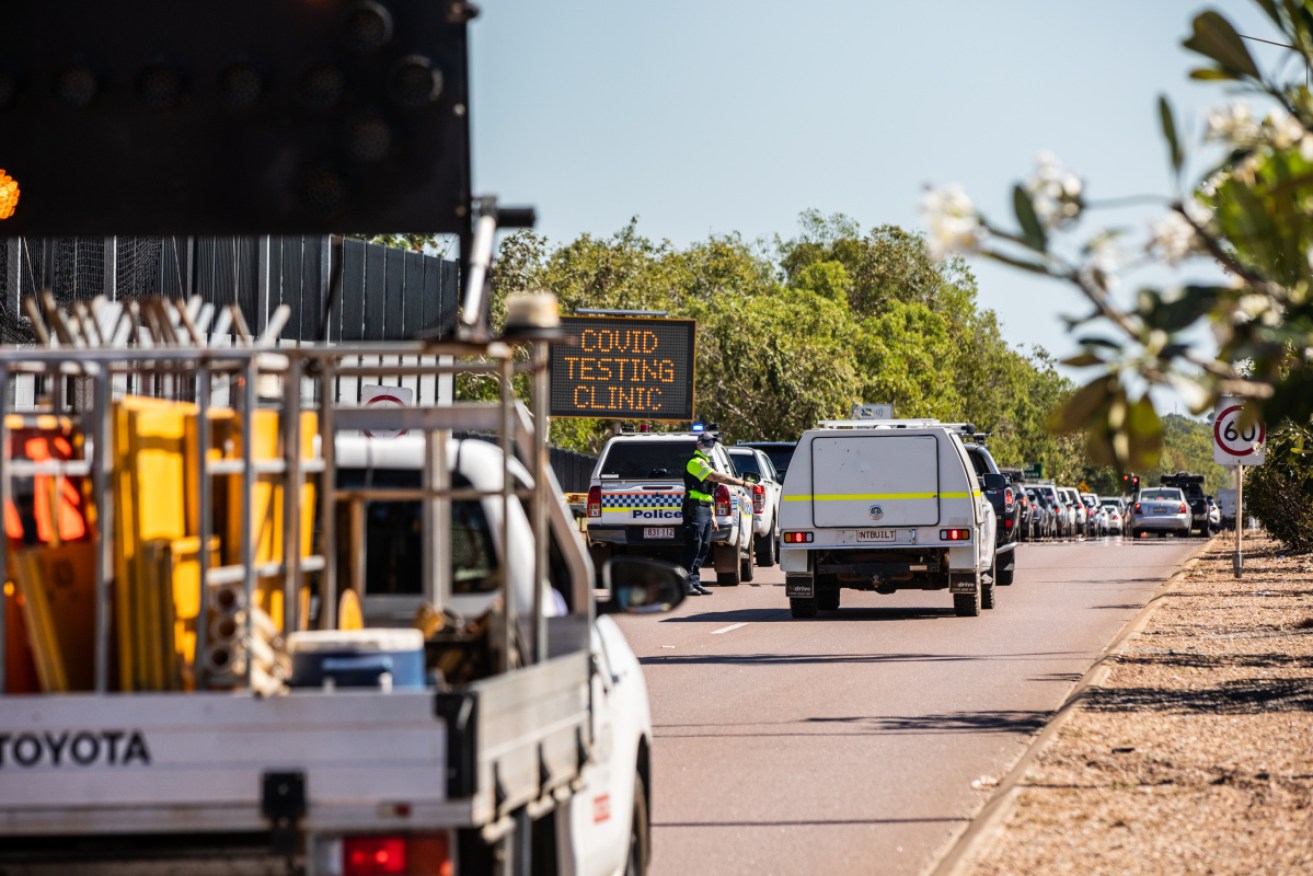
{"x": 876, "y": 505}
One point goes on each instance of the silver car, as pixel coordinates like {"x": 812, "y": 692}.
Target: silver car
{"x": 1161, "y": 510}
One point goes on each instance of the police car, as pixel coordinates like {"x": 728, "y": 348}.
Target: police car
{"x": 635, "y": 501}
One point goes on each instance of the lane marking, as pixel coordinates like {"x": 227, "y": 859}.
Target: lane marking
{"x": 729, "y": 629}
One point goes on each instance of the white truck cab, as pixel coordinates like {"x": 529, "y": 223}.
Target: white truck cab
{"x": 885, "y": 505}
{"x": 635, "y": 501}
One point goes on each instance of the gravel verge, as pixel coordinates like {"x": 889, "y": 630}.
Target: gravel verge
{"x": 1194, "y": 752}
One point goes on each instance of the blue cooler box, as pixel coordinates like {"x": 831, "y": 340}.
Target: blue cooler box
{"x": 381, "y": 658}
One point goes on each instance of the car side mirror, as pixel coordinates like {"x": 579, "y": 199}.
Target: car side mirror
{"x": 993, "y": 481}
{"x": 642, "y": 585}
{"x": 752, "y": 478}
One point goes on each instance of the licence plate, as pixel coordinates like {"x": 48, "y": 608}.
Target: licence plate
{"x": 876, "y": 535}
{"x": 658, "y": 532}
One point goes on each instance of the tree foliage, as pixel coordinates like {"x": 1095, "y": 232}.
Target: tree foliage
{"x": 1280, "y": 491}
{"x": 1245, "y": 213}
{"x": 802, "y": 329}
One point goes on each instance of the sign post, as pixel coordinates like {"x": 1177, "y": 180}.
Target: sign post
{"x": 1237, "y": 443}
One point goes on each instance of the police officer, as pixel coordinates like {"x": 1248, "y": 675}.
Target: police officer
{"x": 699, "y": 519}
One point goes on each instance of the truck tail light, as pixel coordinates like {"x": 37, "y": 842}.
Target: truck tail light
{"x": 799, "y": 537}
{"x": 722, "y": 500}
{"x": 954, "y": 535}
{"x": 1007, "y": 522}
{"x": 408, "y": 855}
{"x": 758, "y": 498}
{"x": 594, "y": 501}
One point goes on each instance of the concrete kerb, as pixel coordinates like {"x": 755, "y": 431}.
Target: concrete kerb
{"x": 986, "y": 826}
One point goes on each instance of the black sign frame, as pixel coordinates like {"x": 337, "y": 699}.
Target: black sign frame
{"x": 624, "y": 368}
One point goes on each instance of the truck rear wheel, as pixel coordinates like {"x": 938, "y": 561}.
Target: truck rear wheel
{"x": 640, "y": 842}
{"x": 802, "y": 608}
{"x": 765, "y": 548}
{"x": 966, "y": 604}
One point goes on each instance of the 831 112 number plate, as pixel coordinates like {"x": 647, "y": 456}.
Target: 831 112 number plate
{"x": 658, "y": 532}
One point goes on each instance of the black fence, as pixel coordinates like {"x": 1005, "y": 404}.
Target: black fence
{"x": 386, "y": 293}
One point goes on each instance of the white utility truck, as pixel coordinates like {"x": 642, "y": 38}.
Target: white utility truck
{"x": 885, "y": 505}
{"x": 388, "y": 659}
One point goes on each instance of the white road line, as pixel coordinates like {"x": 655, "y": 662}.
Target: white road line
{"x": 729, "y": 629}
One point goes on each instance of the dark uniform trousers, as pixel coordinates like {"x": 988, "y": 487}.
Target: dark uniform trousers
{"x": 697, "y": 539}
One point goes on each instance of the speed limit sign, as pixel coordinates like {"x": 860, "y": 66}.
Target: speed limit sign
{"x": 1236, "y": 442}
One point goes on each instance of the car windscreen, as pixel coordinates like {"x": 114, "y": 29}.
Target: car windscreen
{"x": 1161, "y": 496}
{"x": 647, "y": 459}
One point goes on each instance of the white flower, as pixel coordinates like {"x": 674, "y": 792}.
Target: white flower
{"x": 954, "y": 223}
{"x": 1232, "y": 125}
{"x": 1255, "y": 307}
{"x": 1174, "y": 238}
{"x": 1283, "y": 130}
{"x": 1055, "y": 191}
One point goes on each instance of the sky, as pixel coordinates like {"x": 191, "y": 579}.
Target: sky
{"x": 710, "y": 117}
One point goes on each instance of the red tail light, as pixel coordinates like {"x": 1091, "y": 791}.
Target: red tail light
{"x": 373, "y": 856}
{"x": 722, "y": 500}
{"x": 1009, "y": 497}
{"x": 594, "y": 501}
{"x": 1182, "y": 509}
{"x": 798, "y": 537}
{"x": 954, "y": 535}
{"x": 758, "y": 498}
{"x": 412, "y": 855}
{"x": 1137, "y": 507}
{"x": 1007, "y": 522}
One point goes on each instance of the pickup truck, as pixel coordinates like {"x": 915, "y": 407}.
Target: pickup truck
{"x": 415, "y": 675}
{"x": 1002, "y": 496}
{"x": 756, "y": 465}
{"x": 635, "y": 502}
{"x": 885, "y": 505}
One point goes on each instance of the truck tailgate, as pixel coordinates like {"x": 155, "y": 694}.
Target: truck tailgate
{"x": 197, "y": 761}
{"x": 888, "y": 480}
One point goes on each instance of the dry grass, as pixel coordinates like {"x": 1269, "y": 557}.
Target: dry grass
{"x": 1195, "y": 755}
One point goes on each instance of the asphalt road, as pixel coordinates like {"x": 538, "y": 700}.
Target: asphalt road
{"x": 864, "y": 741}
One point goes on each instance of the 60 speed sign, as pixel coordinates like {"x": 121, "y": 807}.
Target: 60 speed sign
{"x": 1234, "y": 443}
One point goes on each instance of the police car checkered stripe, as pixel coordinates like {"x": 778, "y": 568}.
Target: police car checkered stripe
{"x": 625, "y": 501}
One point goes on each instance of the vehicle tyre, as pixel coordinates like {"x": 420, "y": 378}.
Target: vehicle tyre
{"x": 803, "y": 608}
{"x": 640, "y": 832}
{"x": 765, "y": 549}
{"x": 731, "y": 577}
{"x": 987, "y": 590}
{"x": 828, "y": 599}
{"x": 746, "y": 569}
{"x": 967, "y": 604}
{"x": 1005, "y": 576}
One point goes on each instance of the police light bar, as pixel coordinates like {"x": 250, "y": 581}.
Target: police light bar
{"x": 699, "y": 427}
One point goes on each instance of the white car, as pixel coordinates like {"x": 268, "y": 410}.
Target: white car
{"x": 1114, "y": 511}
{"x": 750, "y": 462}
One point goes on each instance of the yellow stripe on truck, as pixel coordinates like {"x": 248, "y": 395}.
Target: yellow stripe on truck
{"x": 867, "y": 497}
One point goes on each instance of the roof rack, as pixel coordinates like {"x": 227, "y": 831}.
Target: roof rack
{"x": 879, "y": 424}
